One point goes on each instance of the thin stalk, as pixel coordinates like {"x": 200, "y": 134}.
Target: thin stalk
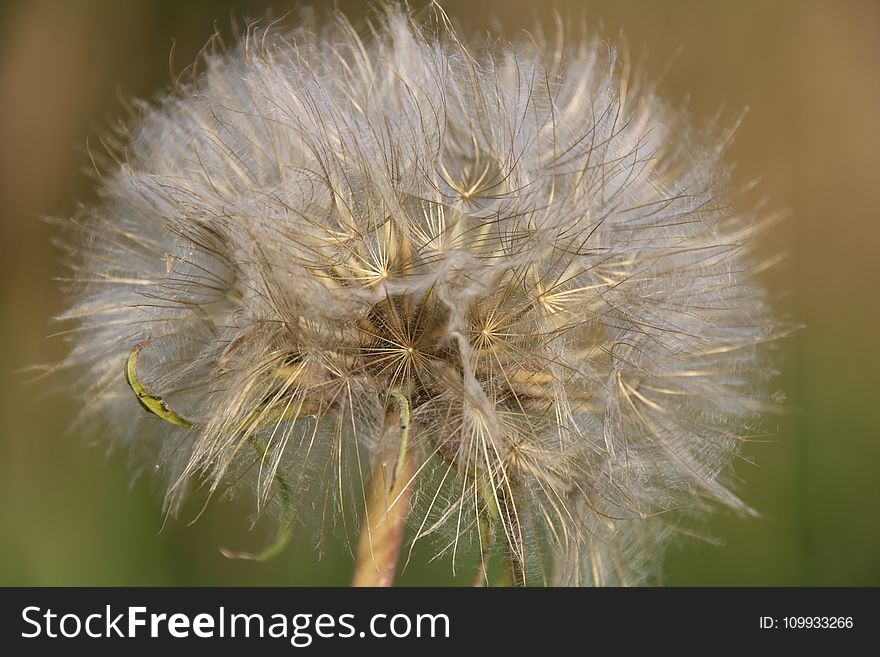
{"x": 285, "y": 530}
{"x": 387, "y": 502}
{"x": 487, "y": 538}
{"x": 515, "y": 566}
{"x": 487, "y": 521}
{"x": 490, "y": 515}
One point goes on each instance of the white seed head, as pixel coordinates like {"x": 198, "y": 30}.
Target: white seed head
{"x": 532, "y": 248}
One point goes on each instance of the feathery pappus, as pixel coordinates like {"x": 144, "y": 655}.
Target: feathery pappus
{"x": 508, "y": 263}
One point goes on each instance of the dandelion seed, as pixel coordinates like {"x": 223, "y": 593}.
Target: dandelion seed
{"x": 503, "y": 281}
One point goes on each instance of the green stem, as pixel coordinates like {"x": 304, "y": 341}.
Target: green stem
{"x": 490, "y": 516}
{"x": 285, "y": 531}
{"x": 515, "y": 565}
{"x": 387, "y": 502}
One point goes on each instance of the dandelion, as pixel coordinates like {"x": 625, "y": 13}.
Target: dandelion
{"x": 496, "y": 294}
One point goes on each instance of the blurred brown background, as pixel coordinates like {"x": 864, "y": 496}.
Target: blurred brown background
{"x": 808, "y": 71}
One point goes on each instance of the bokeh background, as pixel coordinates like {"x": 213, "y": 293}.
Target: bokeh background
{"x": 808, "y": 72}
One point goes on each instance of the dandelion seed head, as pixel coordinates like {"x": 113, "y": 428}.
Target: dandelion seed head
{"x": 534, "y": 249}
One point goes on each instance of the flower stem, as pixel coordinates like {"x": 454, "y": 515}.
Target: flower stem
{"x": 495, "y": 503}
{"x": 387, "y": 502}
{"x": 487, "y": 540}
{"x": 515, "y": 567}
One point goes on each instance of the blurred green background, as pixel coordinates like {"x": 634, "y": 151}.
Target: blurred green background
{"x": 807, "y": 70}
